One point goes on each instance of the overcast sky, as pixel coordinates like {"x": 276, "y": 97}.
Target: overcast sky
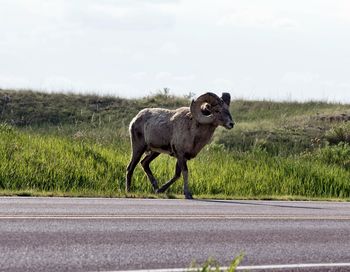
{"x": 272, "y": 49}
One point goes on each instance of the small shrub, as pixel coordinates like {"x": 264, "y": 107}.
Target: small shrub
{"x": 339, "y": 134}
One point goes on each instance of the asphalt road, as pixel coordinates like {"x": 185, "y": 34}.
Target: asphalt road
{"x": 81, "y": 234}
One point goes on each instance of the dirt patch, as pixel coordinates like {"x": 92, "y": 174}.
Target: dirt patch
{"x": 343, "y": 117}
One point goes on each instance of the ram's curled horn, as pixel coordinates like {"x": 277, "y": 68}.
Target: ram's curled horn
{"x": 196, "y": 107}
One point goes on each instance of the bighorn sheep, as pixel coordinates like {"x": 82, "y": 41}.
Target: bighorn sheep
{"x": 181, "y": 133}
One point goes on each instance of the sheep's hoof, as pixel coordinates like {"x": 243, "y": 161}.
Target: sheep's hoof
{"x": 188, "y": 196}
{"x": 159, "y": 191}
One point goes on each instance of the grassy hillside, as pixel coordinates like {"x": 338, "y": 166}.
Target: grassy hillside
{"x": 78, "y": 145}
{"x": 281, "y": 128}
{"x": 28, "y": 108}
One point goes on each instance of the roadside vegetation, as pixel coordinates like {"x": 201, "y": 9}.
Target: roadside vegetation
{"x": 214, "y": 266}
{"x": 78, "y": 145}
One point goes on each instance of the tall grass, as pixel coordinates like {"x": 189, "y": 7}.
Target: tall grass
{"x": 46, "y": 163}
{"x": 49, "y": 163}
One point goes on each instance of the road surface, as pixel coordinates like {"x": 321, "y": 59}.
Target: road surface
{"x": 91, "y": 234}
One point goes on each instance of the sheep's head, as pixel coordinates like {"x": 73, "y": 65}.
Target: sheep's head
{"x": 211, "y": 109}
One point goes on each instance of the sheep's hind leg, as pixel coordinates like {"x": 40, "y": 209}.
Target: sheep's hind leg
{"x": 136, "y": 156}
{"x": 175, "y": 178}
{"x": 145, "y": 164}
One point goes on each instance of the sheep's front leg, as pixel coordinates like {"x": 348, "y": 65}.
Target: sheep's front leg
{"x": 174, "y": 178}
{"x": 184, "y": 170}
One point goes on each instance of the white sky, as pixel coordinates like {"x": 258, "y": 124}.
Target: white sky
{"x": 273, "y": 49}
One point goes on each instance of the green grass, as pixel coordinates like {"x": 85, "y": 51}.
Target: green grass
{"x": 48, "y": 163}
{"x": 33, "y": 163}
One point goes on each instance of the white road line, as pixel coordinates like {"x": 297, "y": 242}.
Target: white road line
{"x": 291, "y": 266}
{"x": 173, "y": 217}
{"x": 249, "y": 267}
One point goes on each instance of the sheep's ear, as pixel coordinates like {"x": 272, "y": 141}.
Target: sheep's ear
{"x": 227, "y": 98}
